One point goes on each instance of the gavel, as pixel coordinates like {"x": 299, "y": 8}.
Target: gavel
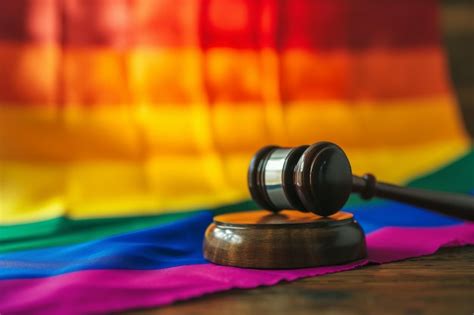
{"x": 318, "y": 178}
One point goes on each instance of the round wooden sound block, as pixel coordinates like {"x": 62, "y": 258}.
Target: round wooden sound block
{"x": 288, "y": 239}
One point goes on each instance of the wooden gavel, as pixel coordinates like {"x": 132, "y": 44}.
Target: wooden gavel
{"x": 318, "y": 179}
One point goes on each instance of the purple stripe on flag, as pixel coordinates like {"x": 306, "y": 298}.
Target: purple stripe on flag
{"x": 104, "y": 291}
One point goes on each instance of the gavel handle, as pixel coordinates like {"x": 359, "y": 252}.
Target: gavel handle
{"x": 454, "y": 205}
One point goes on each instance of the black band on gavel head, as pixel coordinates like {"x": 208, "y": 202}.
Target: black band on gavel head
{"x": 316, "y": 178}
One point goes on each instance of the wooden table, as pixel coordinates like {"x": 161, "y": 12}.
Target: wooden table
{"x": 439, "y": 284}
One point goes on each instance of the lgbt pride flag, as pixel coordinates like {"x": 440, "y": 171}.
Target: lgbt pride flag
{"x": 125, "y": 125}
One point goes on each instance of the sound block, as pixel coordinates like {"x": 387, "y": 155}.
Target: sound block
{"x": 288, "y": 239}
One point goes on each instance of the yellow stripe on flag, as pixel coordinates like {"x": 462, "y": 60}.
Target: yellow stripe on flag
{"x": 132, "y": 133}
{"x": 107, "y": 161}
{"x": 39, "y": 191}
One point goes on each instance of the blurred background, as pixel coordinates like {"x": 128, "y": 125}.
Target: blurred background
{"x": 458, "y": 38}
{"x": 119, "y": 108}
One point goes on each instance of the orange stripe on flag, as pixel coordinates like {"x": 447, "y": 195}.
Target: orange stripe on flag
{"x": 45, "y": 76}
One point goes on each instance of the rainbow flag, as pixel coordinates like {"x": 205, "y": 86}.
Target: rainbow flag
{"x": 126, "y": 125}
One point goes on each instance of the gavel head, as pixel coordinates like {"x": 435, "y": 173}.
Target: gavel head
{"x": 315, "y": 178}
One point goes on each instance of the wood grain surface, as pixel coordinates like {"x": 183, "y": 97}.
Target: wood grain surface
{"x": 439, "y": 284}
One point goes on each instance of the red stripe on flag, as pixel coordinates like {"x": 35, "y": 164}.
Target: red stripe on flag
{"x": 240, "y": 24}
